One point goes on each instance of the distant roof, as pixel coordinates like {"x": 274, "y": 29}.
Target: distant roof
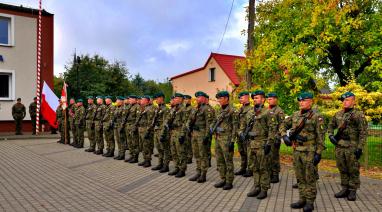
{"x": 22, "y": 9}
{"x": 225, "y": 61}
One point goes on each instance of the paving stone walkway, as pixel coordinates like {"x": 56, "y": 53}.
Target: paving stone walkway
{"x": 41, "y": 175}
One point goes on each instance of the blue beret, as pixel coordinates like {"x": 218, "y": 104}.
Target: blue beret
{"x": 305, "y": 95}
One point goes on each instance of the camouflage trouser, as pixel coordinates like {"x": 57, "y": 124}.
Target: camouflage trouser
{"x": 348, "y": 166}
{"x": 80, "y": 134}
{"x": 145, "y": 144}
{"x": 163, "y": 149}
{"x": 243, "y": 154}
{"x": 261, "y": 168}
{"x": 178, "y": 151}
{"x": 188, "y": 147}
{"x": 275, "y": 160}
{"x": 19, "y": 125}
{"x": 61, "y": 129}
{"x": 73, "y": 129}
{"x": 132, "y": 140}
{"x": 91, "y": 134}
{"x": 119, "y": 137}
{"x": 224, "y": 158}
{"x": 200, "y": 153}
{"x": 99, "y": 135}
{"x": 306, "y": 174}
{"x": 109, "y": 137}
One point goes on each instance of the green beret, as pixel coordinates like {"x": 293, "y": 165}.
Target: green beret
{"x": 243, "y": 93}
{"x": 187, "y": 96}
{"x": 80, "y": 100}
{"x": 90, "y": 97}
{"x": 272, "y": 94}
{"x": 305, "y": 95}
{"x": 200, "y": 93}
{"x": 178, "y": 95}
{"x": 132, "y": 97}
{"x": 99, "y": 97}
{"x": 146, "y": 97}
{"x": 108, "y": 97}
{"x": 157, "y": 95}
{"x": 120, "y": 97}
{"x": 346, "y": 95}
{"x": 222, "y": 94}
{"x": 258, "y": 92}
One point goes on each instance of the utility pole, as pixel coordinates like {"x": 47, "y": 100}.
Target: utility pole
{"x": 250, "y": 41}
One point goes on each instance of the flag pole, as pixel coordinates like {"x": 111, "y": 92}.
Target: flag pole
{"x": 38, "y": 93}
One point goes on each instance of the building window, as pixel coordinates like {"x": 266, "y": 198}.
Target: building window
{"x": 7, "y": 85}
{"x": 211, "y": 75}
{"x": 6, "y": 30}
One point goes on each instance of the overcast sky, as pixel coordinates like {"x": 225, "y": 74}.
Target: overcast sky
{"x": 156, "y": 38}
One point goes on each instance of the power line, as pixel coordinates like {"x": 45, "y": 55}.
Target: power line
{"x": 226, "y": 25}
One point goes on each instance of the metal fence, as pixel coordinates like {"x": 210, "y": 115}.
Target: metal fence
{"x": 372, "y": 153}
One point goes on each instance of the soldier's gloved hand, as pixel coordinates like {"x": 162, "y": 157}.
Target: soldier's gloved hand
{"x": 267, "y": 149}
{"x": 287, "y": 140}
{"x": 333, "y": 140}
{"x": 316, "y": 159}
{"x": 231, "y": 147}
{"x": 242, "y": 137}
{"x": 147, "y": 135}
{"x": 206, "y": 139}
{"x": 358, "y": 153}
{"x": 181, "y": 139}
{"x": 162, "y": 139}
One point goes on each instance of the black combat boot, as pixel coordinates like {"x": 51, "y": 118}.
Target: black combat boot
{"x": 134, "y": 160}
{"x": 228, "y": 186}
{"x": 147, "y": 164}
{"x": 295, "y": 185}
{"x": 202, "y": 178}
{"x": 129, "y": 159}
{"x": 254, "y": 192}
{"x": 299, "y": 204}
{"x": 99, "y": 152}
{"x": 164, "y": 169}
{"x": 220, "y": 184}
{"x": 241, "y": 172}
{"x": 352, "y": 195}
{"x": 308, "y": 207}
{"x": 89, "y": 150}
{"x": 275, "y": 178}
{"x": 180, "y": 174}
{"x": 342, "y": 194}
{"x": 249, "y": 173}
{"x": 173, "y": 172}
{"x": 195, "y": 177}
{"x": 121, "y": 157}
{"x": 142, "y": 163}
{"x": 111, "y": 154}
{"x": 262, "y": 195}
{"x": 107, "y": 152}
{"x": 158, "y": 167}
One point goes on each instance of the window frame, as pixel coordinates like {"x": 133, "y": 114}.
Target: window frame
{"x": 12, "y": 85}
{"x": 11, "y": 30}
{"x": 211, "y": 78}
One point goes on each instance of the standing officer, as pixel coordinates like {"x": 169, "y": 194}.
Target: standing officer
{"x": 98, "y": 127}
{"x": 307, "y": 132}
{"x": 279, "y": 115}
{"x": 18, "y": 113}
{"x": 242, "y": 146}
{"x": 62, "y": 126}
{"x": 90, "y": 128}
{"x": 174, "y": 125}
{"x": 161, "y": 112}
{"x": 187, "y": 111}
{"x": 349, "y": 141}
{"x": 224, "y": 128}
{"x": 259, "y": 133}
{"x": 208, "y": 146}
{"x": 130, "y": 125}
{"x": 32, "y": 114}
{"x": 108, "y": 128}
{"x": 118, "y": 130}
{"x": 71, "y": 110}
{"x": 79, "y": 123}
{"x": 198, "y": 125}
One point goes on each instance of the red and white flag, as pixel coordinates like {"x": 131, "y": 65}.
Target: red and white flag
{"x": 64, "y": 96}
{"x": 49, "y": 104}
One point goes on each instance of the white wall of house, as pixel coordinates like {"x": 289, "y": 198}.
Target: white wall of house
{"x": 19, "y": 63}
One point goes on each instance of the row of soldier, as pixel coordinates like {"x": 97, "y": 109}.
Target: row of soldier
{"x": 182, "y": 132}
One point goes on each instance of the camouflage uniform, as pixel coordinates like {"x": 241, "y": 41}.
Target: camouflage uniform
{"x": 80, "y": 125}
{"x": 18, "y": 113}
{"x": 198, "y": 123}
{"x": 208, "y": 146}
{"x": 163, "y": 148}
{"x": 260, "y": 137}
{"x": 279, "y": 115}
{"x": 72, "y": 127}
{"x": 118, "y": 118}
{"x": 145, "y": 142}
{"x": 242, "y": 146}
{"x": 132, "y": 140}
{"x": 108, "y": 130}
{"x": 188, "y": 147}
{"x": 32, "y": 113}
{"x": 305, "y": 151}
{"x": 99, "y": 114}
{"x": 90, "y": 112}
{"x": 60, "y": 119}
{"x": 353, "y": 138}
{"x": 225, "y": 126}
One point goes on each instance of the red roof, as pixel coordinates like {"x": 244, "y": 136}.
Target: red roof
{"x": 225, "y": 61}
